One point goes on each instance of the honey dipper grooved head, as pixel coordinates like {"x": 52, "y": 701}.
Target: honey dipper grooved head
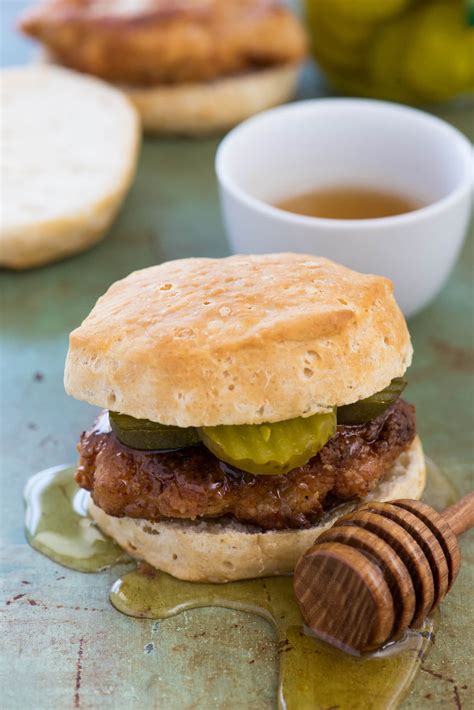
{"x": 377, "y": 572}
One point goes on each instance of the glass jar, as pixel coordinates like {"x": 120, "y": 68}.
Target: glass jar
{"x": 413, "y": 51}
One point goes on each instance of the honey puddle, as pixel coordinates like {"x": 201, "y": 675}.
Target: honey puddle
{"x": 58, "y": 525}
{"x": 312, "y": 673}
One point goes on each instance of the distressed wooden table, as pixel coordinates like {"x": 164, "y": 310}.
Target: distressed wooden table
{"x": 63, "y": 645}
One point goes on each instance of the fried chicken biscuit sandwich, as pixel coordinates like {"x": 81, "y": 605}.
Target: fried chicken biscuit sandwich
{"x": 189, "y": 66}
{"x": 248, "y": 402}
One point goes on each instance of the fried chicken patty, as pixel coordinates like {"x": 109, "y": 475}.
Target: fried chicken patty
{"x": 192, "y": 483}
{"x": 166, "y": 41}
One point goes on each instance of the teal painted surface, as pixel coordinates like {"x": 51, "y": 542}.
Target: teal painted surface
{"x": 63, "y": 645}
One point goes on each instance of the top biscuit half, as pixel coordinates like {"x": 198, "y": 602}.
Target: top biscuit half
{"x": 240, "y": 340}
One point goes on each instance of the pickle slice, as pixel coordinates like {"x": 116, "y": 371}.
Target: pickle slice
{"x": 366, "y": 409}
{"x": 270, "y": 449}
{"x": 147, "y": 435}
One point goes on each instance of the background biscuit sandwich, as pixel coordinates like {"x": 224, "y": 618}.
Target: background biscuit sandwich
{"x": 189, "y": 66}
{"x": 250, "y": 401}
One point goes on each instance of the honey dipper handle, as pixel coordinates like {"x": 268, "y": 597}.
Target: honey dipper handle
{"x": 460, "y": 516}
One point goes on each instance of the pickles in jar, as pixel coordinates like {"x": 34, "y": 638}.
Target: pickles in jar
{"x": 366, "y": 409}
{"x": 270, "y": 449}
{"x": 151, "y": 436}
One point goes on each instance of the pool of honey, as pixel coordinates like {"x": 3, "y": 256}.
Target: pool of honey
{"x": 312, "y": 674}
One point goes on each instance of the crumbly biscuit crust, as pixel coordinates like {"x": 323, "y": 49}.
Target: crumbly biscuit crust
{"x": 241, "y": 340}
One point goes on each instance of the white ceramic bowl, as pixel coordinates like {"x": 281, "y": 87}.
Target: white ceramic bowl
{"x": 327, "y": 142}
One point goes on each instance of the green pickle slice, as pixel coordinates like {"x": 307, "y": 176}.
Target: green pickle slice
{"x": 148, "y": 436}
{"x": 371, "y": 407}
{"x": 270, "y": 449}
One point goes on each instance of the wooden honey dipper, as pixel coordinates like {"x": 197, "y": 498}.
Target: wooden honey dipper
{"x": 380, "y": 570}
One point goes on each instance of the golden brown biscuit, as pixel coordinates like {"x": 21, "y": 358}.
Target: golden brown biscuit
{"x": 241, "y": 340}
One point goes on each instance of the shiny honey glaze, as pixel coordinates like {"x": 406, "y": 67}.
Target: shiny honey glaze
{"x": 58, "y": 525}
{"x": 312, "y": 673}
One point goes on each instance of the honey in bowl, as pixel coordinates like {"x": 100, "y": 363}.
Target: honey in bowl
{"x": 347, "y": 202}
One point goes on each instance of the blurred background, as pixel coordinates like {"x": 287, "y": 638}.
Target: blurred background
{"x": 402, "y": 50}
{"x": 413, "y": 51}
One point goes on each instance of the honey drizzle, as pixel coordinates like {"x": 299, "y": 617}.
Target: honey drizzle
{"x": 312, "y": 673}
{"x": 58, "y": 525}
